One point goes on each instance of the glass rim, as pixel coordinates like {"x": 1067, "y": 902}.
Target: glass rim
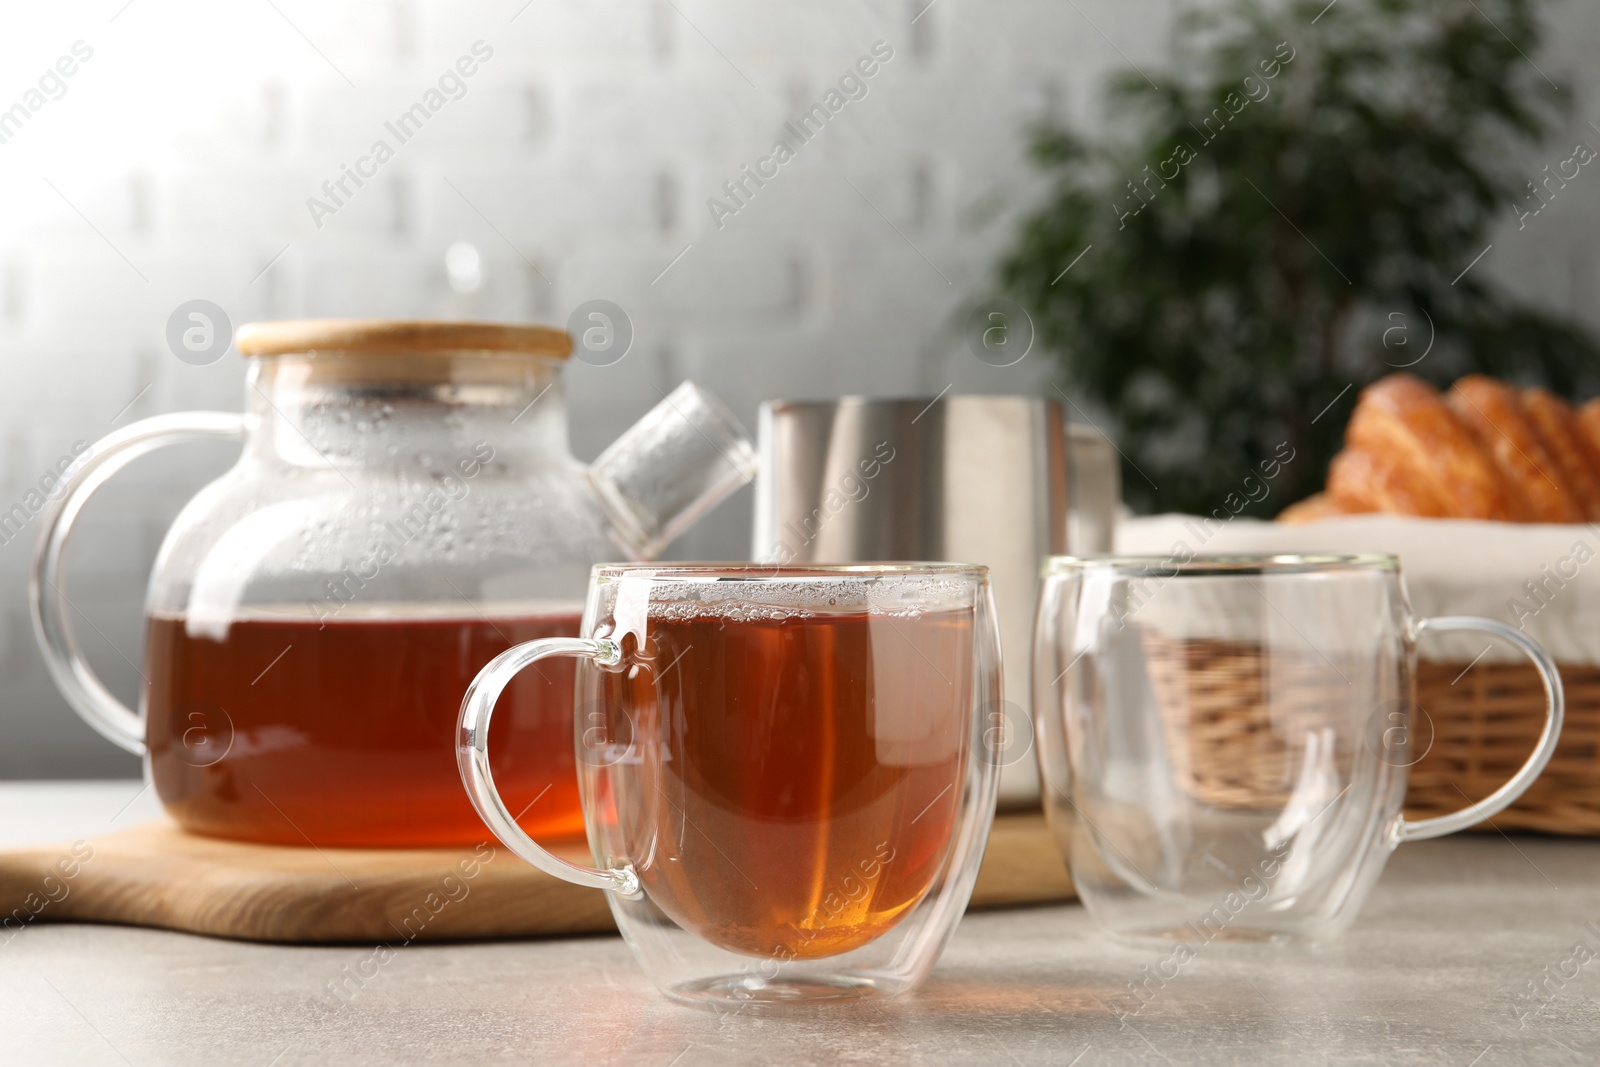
{"x": 746, "y": 571}
{"x": 1232, "y": 564}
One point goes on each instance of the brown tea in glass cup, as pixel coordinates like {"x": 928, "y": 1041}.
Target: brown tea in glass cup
{"x": 788, "y": 772}
{"x": 813, "y": 760}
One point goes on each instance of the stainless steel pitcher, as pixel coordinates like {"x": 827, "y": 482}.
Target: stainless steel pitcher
{"x": 997, "y": 480}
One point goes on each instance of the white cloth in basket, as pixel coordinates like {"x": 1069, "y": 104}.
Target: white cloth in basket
{"x": 1543, "y": 579}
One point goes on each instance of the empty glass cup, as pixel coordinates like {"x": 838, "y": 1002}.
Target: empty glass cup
{"x": 784, "y": 771}
{"x": 1225, "y": 741}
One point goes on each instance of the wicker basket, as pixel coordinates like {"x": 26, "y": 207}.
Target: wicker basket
{"x": 1232, "y": 747}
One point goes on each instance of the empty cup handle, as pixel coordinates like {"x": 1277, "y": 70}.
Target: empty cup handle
{"x": 1555, "y": 710}
{"x": 472, "y": 756}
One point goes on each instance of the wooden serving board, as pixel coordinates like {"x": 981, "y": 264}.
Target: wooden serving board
{"x": 157, "y": 875}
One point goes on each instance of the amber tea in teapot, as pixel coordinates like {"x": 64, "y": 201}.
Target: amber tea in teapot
{"x": 372, "y": 683}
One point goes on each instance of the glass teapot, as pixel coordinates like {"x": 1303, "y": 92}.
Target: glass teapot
{"x": 405, "y": 509}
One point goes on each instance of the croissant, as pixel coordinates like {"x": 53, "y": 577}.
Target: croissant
{"x": 1485, "y": 450}
{"x": 1427, "y": 452}
{"x": 1557, "y": 425}
{"x": 1360, "y": 479}
{"x": 1314, "y": 507}
{"x": 1494, "y": 413}
{"x": 1589, "y": 425}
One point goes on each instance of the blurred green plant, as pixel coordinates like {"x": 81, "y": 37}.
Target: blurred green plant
{"x": 1300, "y": 209}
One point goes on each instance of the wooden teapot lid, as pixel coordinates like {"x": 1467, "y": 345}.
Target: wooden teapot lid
{"x": 400, "y": 336}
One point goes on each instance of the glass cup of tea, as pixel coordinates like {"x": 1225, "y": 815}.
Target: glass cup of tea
{"x": 784, "y": 770}
{"x": 1225, "y": 742}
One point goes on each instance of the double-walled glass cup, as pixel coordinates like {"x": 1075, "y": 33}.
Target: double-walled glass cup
{"x": 1225, "y": 741}
{"x": 784, "y": 770}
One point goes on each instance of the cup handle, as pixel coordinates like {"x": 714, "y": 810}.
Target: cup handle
{"x": 52, "y": 611}
{"x": 1555, "y": 710}
{"x": 472, "y": 756}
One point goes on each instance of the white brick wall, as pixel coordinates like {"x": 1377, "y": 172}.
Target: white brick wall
{"x": 591, "y": 142}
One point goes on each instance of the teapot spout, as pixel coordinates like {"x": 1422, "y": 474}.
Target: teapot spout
{"x": 681, "y": 460}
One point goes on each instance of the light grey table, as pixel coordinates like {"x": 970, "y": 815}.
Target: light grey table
{"x": 1438, "y": 970}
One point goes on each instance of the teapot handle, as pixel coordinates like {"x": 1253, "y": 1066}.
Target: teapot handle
{"x": 52, "y": 619}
